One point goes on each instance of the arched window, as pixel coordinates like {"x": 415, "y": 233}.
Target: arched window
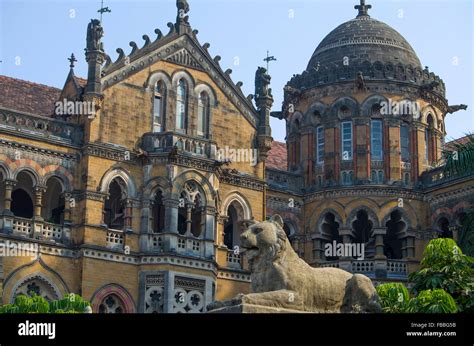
{"x": 111, "y": 304}
{"x": 392, "y": 242}
{"x": 158, "y": 213}
{"x": 376, "y": 137}
{"x": 231, "y": 228}
{"x": 362, "y": 227}
{"x": 406, "y": 179}
{"x": 181, "y": 108}
{"x": 159, "y": 107}
{"x": 429, "y": 157}
{"x": 22, "y": 199}
{"x": 347, "y": 140}
{"x": 320, "y": 145}
{"x": 196, "y": 217}
{"x": 203, "y": 114}
{"x": 114, "y": 207}
{"x": 405, "y": 143}
{"x": 330, "y": 231}
{"x": 443, "y": 226}
{"x": 53, "y": 202}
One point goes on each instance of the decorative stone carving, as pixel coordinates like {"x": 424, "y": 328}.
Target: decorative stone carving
{"x": 281, "y": 280}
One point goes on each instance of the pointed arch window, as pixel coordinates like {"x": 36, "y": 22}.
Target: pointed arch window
{"x": 114, "y": 207}
{"x": 405, "y": 143}
{"x": 320, "y": 144}
{"x": 181, "y": 109}
{"x": 159, "y": 107}
{"x": 203, "y": 114}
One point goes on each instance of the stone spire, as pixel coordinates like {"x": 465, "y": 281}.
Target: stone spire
{"x": 363, "y": 9}
{"x": 182, "y": 19}
{"x": 95, "y": 57}
{"x": 264, "y": 102}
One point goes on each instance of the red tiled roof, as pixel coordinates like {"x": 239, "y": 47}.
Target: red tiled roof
{"x": 25, "y": 96}
{"x": 277, "y": 156}
{"x": 462, "y": 140}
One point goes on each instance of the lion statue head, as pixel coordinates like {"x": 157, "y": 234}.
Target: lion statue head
{"x": 264, "y": 242}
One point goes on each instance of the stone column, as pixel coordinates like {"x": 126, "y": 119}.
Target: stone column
{"x": 9, "y": 185}
{"x": 346, "y": 262}
{"x": 221, "y": 220}
{"x": 318, "y": 250}
{"x": 145, "y": 221}
{"x": 38, "y": 205}
{"x": 410, "y": 247}
{"x": 67, "y": 207}
{"x": 171, "y": 215}
{"x": 379, "y": 246}
{"x": 394, "y": 154}
{"x": 189, "y": 213}
{"x": 209, "y": 215}
{"x": 128, "y": 214}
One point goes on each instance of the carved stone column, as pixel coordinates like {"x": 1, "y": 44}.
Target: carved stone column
{"x": 38, "y": 205}
{"x": 171, "y": 215}
{"x": 189, "y": 221}
{"x": 9, "y": 185}
{"x": 67, "y": 207}
{"x": 221, "y": 220}
{"x": 379, "y": 233}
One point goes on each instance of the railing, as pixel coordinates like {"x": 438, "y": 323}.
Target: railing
{"x": 437, "y": 176}
{"x": 396, "y": 269}
{"x": 115, "y": 239}
{"x": 363, "y": 266}
{"x": 51, "y": 231}
{"x": 22, "y": 227}
{"x": 189, "y": 246}
{"x": 233, "y": 260}
{"x": 165, "y": 142}
{"x": 156, "y": 242}
{"x": 39, "y": 126}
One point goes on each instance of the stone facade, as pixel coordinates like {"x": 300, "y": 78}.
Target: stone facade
{"x": 132, "y": 205}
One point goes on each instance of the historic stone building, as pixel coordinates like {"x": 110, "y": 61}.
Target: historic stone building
{"x": 130, "y": 184}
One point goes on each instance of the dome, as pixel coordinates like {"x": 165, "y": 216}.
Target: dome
{"x": 363, "y": 39}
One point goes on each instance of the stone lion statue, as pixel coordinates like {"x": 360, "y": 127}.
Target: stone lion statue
{"x": 280, "y": 279}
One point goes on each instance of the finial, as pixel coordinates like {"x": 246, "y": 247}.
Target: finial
{"x": 103, "y": 10}
{"x": 268, "y": 59}
{"x": 363, "y": 9}
{"x": 72, "y": 60}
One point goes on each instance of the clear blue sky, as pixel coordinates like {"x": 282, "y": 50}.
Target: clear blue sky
{"x": 41, "y": 34}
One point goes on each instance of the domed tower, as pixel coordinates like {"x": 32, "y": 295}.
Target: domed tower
{"x": 364, "y": 121}
{"x": 364, "y": 111}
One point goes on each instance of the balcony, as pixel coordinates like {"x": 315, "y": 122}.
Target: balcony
{"x": 34, "y": 229}
{"x": 180, "y": 244}
{"x": 437, "y": 176}
{"x": 233, "y": 260}
{"x": 165, "y": 142}
{"x": 390, "y": 269}
{"x": 38, "y": 126}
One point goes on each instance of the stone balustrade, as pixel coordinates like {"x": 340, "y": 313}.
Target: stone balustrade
{"x": 165, "y": 142}
{"x": 35, "y": 229}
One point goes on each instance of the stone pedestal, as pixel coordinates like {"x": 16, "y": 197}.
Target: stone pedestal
{"x": 254, "y": 309}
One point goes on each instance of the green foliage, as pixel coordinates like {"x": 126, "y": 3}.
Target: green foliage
{"x": 394, "y": 297}
{"x": 445, "y": 267}
{"x": 71, "y": 303}
{"x": 434, "y": 302}
{"x": 460, "y": 161}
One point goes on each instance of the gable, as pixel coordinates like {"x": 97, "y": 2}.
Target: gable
{"x": 182, "y": 50}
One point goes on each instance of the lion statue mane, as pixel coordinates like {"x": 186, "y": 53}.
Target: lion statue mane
{"x": 282, "y": 280}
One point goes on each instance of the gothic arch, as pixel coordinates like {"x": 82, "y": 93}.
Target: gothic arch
{"x": 310, "y": 115}
{"x": 345, "y": 101}
{"x": 369, "y": 102}
{"x": 241, "y": 200}
{"x": 113, "y": 173}
{"x": 408, "y": 212}
{"x": 322, "y": 217}
{"x": 370, "y": 213}
{"x": 206, "y": 88}
{"x": 296, "y": 122}
{"x": 429, "y": 110}
{"x": 336, "y": 207}
{"x": 183, "y": 74}
{"x": 156, "y": 183}
{"x": 67, "y": 180}
{"x": 5, "y": 170}
{"x": 201, "y": 181}
{"x": 156, "y": 77}
{"x": 405, "y": 217}
{"x": 116, "y": 290}
{"x": 34, "y": 175}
